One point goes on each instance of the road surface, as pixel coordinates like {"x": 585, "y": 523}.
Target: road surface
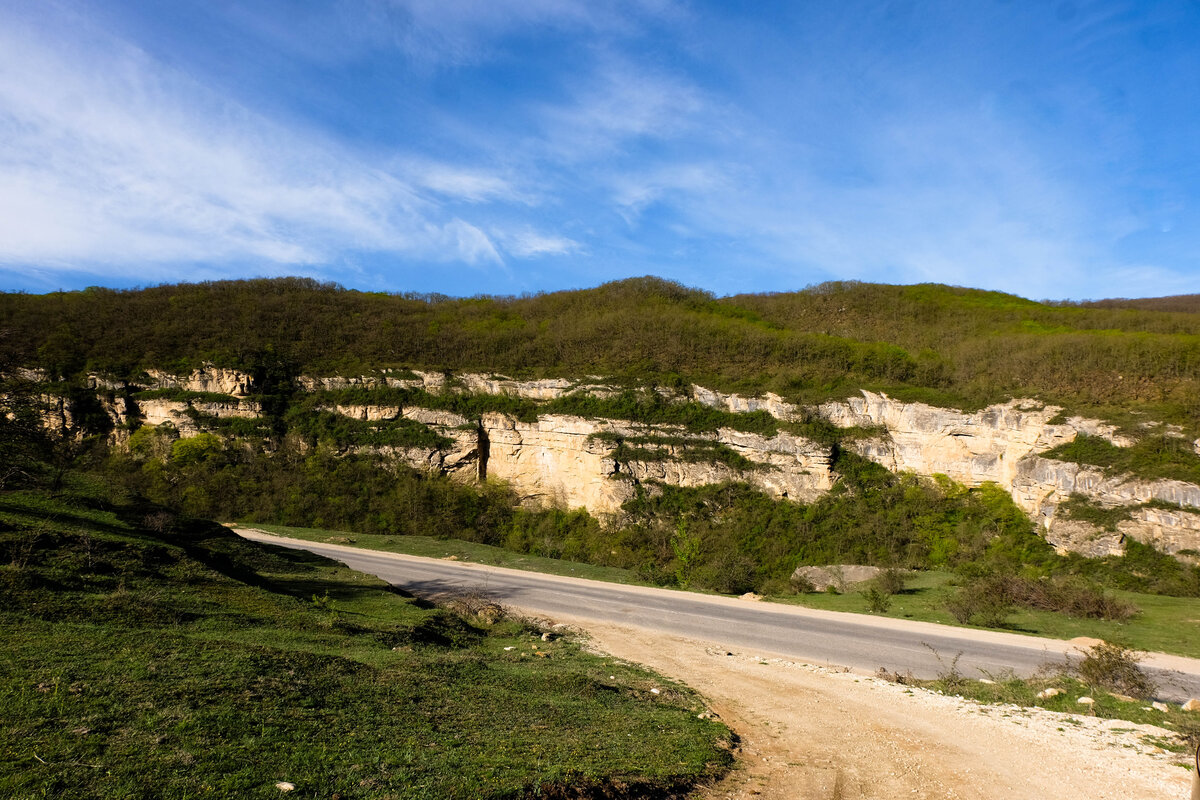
{"x": 856, "y": 641}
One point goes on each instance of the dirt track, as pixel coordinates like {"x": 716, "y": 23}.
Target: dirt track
{"x": 809, "y": 732}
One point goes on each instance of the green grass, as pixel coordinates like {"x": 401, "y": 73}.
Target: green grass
{"x": 1154, "y": 456}
{"x": 460, "y": 550}
{"x": 150, "y": 656}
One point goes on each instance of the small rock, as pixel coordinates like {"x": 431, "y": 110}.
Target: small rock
{"x": 1191, "y": 705}
{"x": 284, "y": 786}
{"x": 1046, "y": 694}
{"x": 509, "y": 648}
{"x": 1085, "y": 700}
{"x": 612, "y": 677}
{"x": 750, "y": 596}
{"x": 1163, "y": 707}
{"x": 987, "y": 681}
{"x": 654, "y": 691}
{"x": 547, "y": 636}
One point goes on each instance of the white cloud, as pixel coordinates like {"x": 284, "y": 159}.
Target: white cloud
{"x": 618, "y": 103}
{"x": 465, "y": 242}
{"x": 528, "y": 243}
{"x": 112, "y": 160}
{"x": 465, "y": 184}
{"x": 633, "y": 192}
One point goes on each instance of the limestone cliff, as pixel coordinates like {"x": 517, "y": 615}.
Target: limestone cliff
{"x": 181, "y": 414}
{"x": 575, "y": 462}
{"x": 1002, "y": 444}
{"x": 217, "y": 380}
{"x": 564, "y": 460}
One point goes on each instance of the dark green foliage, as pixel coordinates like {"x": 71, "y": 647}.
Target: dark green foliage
{"x": 988, "y": 599}
{"x": 651, "y": 408}
{"x": 878, "y": 601}
{"x": 236, "y": 427}
{"x": 890, "y": 581}
{"x": 1080, "y": 508}
{"x": 983, "y": 601}
{"x": 1156, "y": 456}
{"x": 184, "y": 396}
{"x": 344, "y": 431}
{"x": 956, "y": 346}
{"x": 24, "y": 442}
{"x": 675, "y": 448}
{"x": 1141, "y": 569}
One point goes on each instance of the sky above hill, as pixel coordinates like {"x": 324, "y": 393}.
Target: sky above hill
{"x": 1046, "y": 148}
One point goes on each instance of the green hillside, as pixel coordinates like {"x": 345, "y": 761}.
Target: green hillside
{"x": 150, "y": 655}
{"x": 946, "y": 344}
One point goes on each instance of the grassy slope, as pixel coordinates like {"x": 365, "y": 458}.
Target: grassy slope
{"x": 1165, "y": 624}
{"x": 188, "y": 662}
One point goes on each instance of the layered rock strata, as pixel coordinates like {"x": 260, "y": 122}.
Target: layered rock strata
{"x": 573, "y": 462}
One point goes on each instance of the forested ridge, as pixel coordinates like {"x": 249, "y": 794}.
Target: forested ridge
{"x": 946, "y": 345}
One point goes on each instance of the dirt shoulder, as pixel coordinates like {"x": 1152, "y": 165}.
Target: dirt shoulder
{"x": 814, "y": 732}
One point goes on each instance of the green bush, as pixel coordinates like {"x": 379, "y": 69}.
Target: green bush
{"x": 878, "y": 601}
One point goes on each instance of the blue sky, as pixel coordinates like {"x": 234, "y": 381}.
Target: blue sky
{"x": 1049, "y": 149}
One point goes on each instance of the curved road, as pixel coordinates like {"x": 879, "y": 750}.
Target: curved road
{"x": 855, "y": 641}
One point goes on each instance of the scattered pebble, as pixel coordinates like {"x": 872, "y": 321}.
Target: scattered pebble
{"x": 284, "y": 786}
{"x": 1085, "y": 700}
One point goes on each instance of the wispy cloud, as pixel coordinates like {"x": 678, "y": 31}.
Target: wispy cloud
{"x": 464, "y": 31}
{"x": 466, "y": 184}
{"x": 111, "y": 158}
{"x": 620, "y": 103}
{"x": 634, "y": 191}
{"x": 528, "y": 243}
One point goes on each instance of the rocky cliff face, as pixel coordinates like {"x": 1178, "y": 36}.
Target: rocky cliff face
{"x": 1002, "y": 444}
{"x": 180, "y": 414}
{"x": 564, "y": 460}
{"x": 216, "y": 380}
{"x": 575, "y": 462}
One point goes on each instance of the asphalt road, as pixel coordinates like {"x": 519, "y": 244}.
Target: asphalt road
{"x": 856, "y": 641}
